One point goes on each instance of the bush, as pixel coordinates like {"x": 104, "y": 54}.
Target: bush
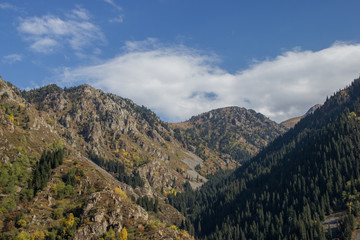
{"x": 58, "y": 213}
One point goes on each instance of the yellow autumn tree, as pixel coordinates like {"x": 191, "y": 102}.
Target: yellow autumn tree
{"x": 69, "y": 222}
{"x": 23, "y": 236}
{"x": 21, "y": 223}
{"x": 12, "y": 118}
{"x": 123, "y": 234}
{"x": 69, "y": 227}
{"x": 120, "y": 192}
{"x": 38, "y": 235}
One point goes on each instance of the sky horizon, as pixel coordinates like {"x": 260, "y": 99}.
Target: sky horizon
{"x": 183, "y": 58}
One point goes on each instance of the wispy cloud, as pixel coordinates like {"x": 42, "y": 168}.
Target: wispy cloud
{"x": 145, "y": 45}
{"x": 112, "y": 3}
{"x": 120, "y": 17}
{"x": 44, "y": 45}
{"x": 178, "y": 83}
{"x": 12, "y": 58}
{"x": 7, "y": 6}
{"x": 75, "y": 30}
{"x": 80, "y": 13}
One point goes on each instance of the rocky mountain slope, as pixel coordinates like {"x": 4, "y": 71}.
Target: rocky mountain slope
{"x": 122, "y": 165}
{"x": 227, "y": 137}
{"x": 78, "y": 199}
{"x": 110, "y": 127}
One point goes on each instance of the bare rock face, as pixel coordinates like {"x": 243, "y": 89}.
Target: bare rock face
{"x": 10, "y": 126}
{"x": 157, "y": 175}
{"x": 105, "y": 209}
{"x": 10, "y": 92}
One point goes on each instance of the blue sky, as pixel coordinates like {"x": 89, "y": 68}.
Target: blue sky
{"x": 181, "y": 57}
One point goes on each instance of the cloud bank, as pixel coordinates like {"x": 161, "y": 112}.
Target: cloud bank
{"x": 177, "y": 82}
{"x": 47, "y": 33}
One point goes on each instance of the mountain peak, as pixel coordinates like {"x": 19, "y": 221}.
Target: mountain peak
{"x": 290, "y": 123}
{"x": 226, "y": 137}
{"x": 313, "y": 109}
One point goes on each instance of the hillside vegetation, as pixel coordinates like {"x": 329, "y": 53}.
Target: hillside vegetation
{"x": 287, "y": 190}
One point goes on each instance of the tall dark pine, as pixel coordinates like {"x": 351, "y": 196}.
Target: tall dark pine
{"x": 42, "y": 172}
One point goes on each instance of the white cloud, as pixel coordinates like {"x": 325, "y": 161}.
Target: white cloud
{"x": 12, "y": 58}
{"x": 7, "y": 6}
{"x": 178, "y": 83}
{"x": 80, "y": 13}
{"x": 48, "y": 31}
{"x": 44, "y": 45}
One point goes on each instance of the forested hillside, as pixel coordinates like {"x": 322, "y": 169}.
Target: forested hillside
{"x": 286, "y": 191}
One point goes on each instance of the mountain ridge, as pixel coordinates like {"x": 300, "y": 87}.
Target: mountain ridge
{"x": 234, "y": 134}
{"x": 140, "y": 165}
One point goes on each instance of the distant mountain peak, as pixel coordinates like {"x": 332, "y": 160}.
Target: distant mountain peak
{"x": 290, "y": 123}
{"x": 313, "y": 109}
{"x": 226, "y": 137}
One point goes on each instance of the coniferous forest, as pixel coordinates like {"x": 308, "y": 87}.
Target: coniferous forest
{"x": 118, "y": 170}
{"x": 49, "y": 160}
{"x": 286, "y": 191}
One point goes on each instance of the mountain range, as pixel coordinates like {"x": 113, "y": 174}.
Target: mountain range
{"x": 79, "y": 163}
{"x": 124, "y": 161}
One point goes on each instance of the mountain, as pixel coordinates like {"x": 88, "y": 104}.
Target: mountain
{"x": 290, "y": 123}
{"x": 226, "y": 137}
{"x": 289, "y": 188}
{"x": 50, "y": 185}
{"x": 79, "y": 163}
{"x": 105, "y": 126}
